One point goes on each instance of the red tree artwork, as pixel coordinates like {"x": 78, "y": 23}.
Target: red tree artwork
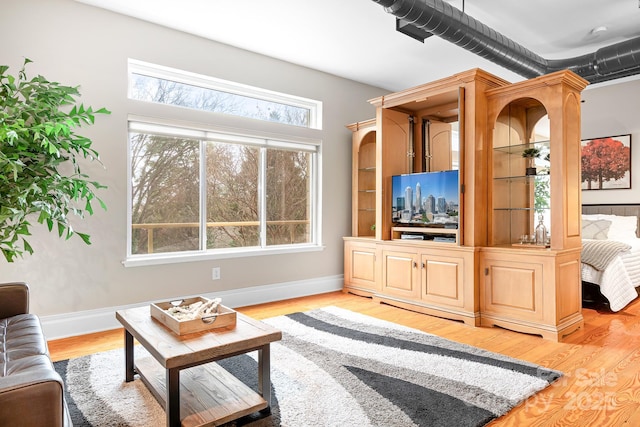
{"x": 604, "y": 160}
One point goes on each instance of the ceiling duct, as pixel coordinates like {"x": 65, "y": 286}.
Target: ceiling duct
{"x": 443, "y": 20}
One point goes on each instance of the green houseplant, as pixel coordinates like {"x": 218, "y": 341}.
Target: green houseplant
{"x": 530, "y": 154}
{"x": 40, "y": 156}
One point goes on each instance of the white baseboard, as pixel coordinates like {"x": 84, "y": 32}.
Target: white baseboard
{"x": 85, "y": 322}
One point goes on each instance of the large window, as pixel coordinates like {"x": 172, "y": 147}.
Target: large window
{"x": 197, "y": 190}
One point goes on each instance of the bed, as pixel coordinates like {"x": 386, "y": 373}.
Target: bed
{"x": 611, "y": 280}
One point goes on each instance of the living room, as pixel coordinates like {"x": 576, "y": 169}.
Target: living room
{"x": 75, "y": 288}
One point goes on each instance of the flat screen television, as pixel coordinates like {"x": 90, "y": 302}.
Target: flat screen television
{"x": 428, "y": 199}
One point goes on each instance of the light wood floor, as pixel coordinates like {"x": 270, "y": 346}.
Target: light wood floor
{"x": 601, "y": 386}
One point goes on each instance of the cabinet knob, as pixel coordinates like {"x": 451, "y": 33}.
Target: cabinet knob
{"x": 415, "y": 264}
{"x": 423, "y": 266}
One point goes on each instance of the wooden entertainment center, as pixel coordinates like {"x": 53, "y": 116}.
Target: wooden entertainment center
{"x": 484, "y": 271}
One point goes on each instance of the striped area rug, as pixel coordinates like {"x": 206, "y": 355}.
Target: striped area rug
{"x": 335, "y": 367}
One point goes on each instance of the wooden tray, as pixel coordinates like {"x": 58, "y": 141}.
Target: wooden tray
{"x": 225, "y": 317}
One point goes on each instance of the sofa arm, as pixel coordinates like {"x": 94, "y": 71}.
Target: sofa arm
{"x": 34, "y": 398}
{"x": 14, "y": 299}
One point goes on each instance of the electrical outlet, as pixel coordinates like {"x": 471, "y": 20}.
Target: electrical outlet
{"x": 215, "y": 273}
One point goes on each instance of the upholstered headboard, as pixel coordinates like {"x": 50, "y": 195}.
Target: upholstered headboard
{"x": 622, "y": 210}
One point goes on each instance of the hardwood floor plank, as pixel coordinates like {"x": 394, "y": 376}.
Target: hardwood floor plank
{"x": 82, "y": 345}
{"x": 601, "y": 362}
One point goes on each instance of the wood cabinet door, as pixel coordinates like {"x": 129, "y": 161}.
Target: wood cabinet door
{"x": 512, "y": 289}
{"x": 400, "y": 274}
{"x": 360, "y": 265}
{"x": 442, "y": 280}
{"x": 439, "y": 146}
{"x": 394, "y": 157}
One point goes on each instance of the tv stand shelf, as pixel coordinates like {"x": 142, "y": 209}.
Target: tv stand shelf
{"x": 429, "y": 233}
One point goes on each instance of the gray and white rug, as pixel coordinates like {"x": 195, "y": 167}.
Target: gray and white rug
{"x": 334, "y": 367}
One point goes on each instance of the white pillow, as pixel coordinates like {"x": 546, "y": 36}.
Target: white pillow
{"x": 595, "y": 229}
{"x": 622, "y": 227}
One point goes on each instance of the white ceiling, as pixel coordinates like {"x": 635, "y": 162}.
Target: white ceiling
{"x": 356, "y": 39}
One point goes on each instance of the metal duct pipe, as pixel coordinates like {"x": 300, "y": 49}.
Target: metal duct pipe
{"x": 442, "y": 19}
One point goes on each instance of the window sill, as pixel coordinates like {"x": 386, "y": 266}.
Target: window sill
{"x": 158, "y": 259}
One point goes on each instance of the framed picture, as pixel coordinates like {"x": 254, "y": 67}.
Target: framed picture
{"x": 606, "y": 163}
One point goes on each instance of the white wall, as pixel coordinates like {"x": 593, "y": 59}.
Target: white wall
{"x": 609, "y": 110}
{"x": 77, "y": 44}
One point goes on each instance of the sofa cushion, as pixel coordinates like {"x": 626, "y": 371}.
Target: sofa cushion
{"x": 20, "y": 337}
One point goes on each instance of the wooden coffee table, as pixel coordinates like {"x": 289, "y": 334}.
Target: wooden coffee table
{"x": 205, "y": 394}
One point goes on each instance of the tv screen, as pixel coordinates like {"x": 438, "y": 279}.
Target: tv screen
{"x": 426, "y": 199}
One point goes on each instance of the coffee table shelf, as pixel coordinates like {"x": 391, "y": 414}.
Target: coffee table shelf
{"x": 209, "y": 395}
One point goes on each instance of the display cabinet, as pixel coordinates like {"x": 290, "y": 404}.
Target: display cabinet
{"x": 521, "y": 180}
{"x": 516, "y": 148}
{"x": 363, "y": 178}
{"x": 530, "y": 271}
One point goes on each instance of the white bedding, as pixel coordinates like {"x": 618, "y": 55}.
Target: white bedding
{"x": 619, "y": 280}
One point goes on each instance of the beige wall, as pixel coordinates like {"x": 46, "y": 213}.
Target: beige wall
{"x": 77, "y": 44}
{"x": 614, "y": 109}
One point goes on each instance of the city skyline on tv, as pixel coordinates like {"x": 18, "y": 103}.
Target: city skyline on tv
{"x": 427, "y": 197}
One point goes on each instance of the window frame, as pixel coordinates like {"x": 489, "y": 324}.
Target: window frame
{"x": 204, "y": 134}
{"x": 194, "y": 123}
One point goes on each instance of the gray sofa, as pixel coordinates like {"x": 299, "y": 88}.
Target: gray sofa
{"x": 31, "y": 391}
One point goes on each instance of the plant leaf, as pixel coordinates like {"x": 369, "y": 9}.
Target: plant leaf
{"x": 85, "y": 237}
{"x": 27, "y": 247}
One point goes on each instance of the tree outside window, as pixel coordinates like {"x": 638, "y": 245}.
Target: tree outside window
{"x": 254, "y": 195}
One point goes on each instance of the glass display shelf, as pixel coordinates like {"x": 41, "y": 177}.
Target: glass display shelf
{"x": 521, "y": 209}
{"x": 537, "y": 177}
{"x": 519, "y": 148}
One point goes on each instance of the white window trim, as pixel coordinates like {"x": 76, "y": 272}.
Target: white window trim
{"x": 186, "y": 77}
{"x": 202, "y": 131}
{"x": 196, "y": 130}
{"x": 174, "y": 258}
